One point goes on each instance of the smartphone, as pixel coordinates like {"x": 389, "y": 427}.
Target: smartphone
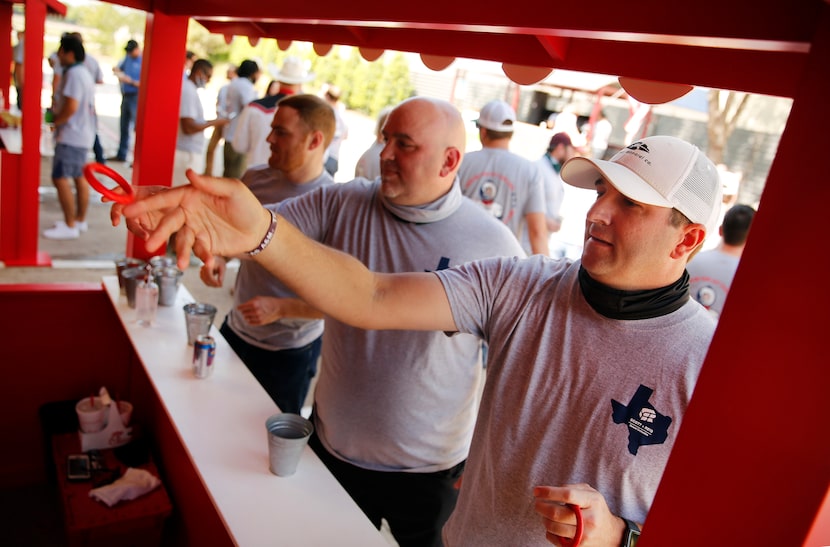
{"x": 77, "y": 467}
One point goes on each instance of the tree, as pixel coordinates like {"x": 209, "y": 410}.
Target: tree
{"x": 109, "y": 21}
{"x": 725, "y": 108}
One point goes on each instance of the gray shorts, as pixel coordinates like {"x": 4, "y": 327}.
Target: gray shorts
{"x": 69, "y": 161}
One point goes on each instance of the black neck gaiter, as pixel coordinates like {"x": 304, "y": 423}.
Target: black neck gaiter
{"x": 629, "y": 305}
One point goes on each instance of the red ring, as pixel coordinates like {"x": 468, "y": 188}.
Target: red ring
{"x": 577, "y": 539}
{"x": 89, "y": 172}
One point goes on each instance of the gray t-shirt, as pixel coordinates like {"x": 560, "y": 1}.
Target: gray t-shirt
{"x": 397, "y": 400}
{"x": 507, "y": 185}
{"x": 79, "y": 130}
{"x": 571, "y": 396}
{"x": 711, "y": 274}
{"x": 270, "y": 186}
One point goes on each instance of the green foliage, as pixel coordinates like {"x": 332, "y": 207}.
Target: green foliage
{"x": 104, "y": 21}
{"x": 366, "y": 87}
{"x": 207, "y": 45}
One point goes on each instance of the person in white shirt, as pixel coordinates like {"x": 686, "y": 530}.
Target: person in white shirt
{"x": 332, "y": 96}
{"x": 190, "y": 141}
{"x": 240, "y": 93}
{"x": 368, "y": 165}
{"x": 221, "y": 112}
{"x": 254, "y": 122}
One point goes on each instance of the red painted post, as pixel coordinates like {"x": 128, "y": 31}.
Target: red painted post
{"x": 158, "y": 108}
{"x": 20, "y": 178}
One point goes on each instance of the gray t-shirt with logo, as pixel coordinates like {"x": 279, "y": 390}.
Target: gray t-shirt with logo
{"x": 392, "y": 400}
{"x": 571, "y": 396}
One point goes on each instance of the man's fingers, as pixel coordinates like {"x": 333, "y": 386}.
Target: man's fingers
{"x": 155, "y": 201}
{"x": 115, "y": 214}
{"x": 202, "y": 249}
{"x": 215, "y": 186}
{"x": 165, "y": 227}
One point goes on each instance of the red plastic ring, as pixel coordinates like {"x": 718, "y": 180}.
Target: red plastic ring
{"x": 91, "y": 169}
{"x": 577, "y": 539}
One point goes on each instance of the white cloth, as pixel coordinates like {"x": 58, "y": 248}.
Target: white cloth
{"x": 134, "y": 483}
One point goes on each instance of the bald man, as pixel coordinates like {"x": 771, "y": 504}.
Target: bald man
{"x": 394, "y": 410}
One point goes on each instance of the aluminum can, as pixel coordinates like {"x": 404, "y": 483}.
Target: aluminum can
{"x": 203, "y": 351}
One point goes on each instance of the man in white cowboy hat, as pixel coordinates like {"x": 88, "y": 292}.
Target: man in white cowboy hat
{"x": 254, "y": 122}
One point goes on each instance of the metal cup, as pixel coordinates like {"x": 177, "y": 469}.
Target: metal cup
{"x": 132, "y": 277}
{"x": 287, "y": 437}
{"x": 198, "y": 318}
{"x": 168, "y": 279}
{"x": 124, "y": 264}
{"x": 162, "y": 261}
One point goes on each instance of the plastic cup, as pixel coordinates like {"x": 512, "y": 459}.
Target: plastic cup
{"x": 168, "y": 279}
{"x": 132, "y": 277}
{"x": 287, "y": 437}
{"x": 198, "y": 318}
{"x": 124, "y": 264}
{"x": 92, "y": 414}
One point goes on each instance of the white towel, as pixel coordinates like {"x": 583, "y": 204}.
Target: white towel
{"x": 134, "y": 483}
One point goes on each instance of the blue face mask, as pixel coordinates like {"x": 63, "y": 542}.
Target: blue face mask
{"x": 200, "y": 81}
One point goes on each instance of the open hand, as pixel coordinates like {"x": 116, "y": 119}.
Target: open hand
{"x": 211, "y": 216}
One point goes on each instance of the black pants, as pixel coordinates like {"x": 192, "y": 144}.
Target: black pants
{"x": 286, "y": 375}
{"x": 416, "y": 505}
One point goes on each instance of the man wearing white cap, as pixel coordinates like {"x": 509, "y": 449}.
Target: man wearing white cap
{"x": 254, "y": 123}
{"x": 507, "y": 185}
{"x": 592, "y": 362}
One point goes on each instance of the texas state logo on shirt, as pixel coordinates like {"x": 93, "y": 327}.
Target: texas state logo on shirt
{"x": 645, "y": 424}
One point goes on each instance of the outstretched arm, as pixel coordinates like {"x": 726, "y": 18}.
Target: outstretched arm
{"x": 215, "y": 216}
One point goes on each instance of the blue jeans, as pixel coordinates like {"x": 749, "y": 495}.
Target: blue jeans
{"x": 129, "y": 107}
{"x": 286, "y": 374}
{"x": 98, "y": 150}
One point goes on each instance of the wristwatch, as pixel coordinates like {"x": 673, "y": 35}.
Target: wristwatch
{"x": 631, "y": 534}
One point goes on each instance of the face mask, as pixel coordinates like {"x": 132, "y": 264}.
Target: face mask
{"x": 200, "y": 81}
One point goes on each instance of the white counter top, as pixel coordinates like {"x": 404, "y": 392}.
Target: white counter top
{"x": 221, "y": 422}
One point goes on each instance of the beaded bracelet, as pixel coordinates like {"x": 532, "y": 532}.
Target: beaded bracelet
{"x": 268, "y": 236}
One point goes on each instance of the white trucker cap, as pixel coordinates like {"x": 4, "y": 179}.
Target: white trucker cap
{"x": 497, "y": 116}
{"x": 662, "y": 171}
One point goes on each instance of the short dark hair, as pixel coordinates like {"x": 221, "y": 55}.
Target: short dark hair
{"x": 72, "y": 44}
{"x": 736, "y": 224}
{"x": 315, "y": 113}
{"x": 201, "y": 64}
{"x": 494, "y": 135}
{"x": 247, "y": 68}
